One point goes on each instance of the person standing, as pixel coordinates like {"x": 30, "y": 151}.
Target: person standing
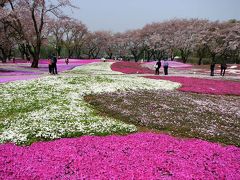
{"x": 165, "y": 66}
{"x": 50, "y": 66}
{"x": 67, "y": 61}
{"x": 223, "y": 69}
{"x": 54, "y": 64}
{"x": 212, "y": 67}
{"x": 158, "y": 66}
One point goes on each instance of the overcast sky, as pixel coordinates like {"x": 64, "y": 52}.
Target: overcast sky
{"x": 122, "y": 15}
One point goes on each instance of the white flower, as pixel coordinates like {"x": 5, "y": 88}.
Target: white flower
{"x": 53, "y": 106}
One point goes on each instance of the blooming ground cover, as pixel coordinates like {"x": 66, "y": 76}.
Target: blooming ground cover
{"x": 205, "y": 86}
{"x": 21, "y": 70}
{"x": 172, "y": 64}
{"x": 136, "y": 156}
{"x": 210, "y": 117}
{"x": 130, "y": 68}
{"x": 53, "y": 106}
{"x": 176, "y": 68}
{"x": 189, "y": 84}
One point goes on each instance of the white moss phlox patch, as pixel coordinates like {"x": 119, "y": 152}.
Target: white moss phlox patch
{"x": 53, "y": 106}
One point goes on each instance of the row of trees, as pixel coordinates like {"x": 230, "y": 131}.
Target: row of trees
{"x": 27, "y": 25}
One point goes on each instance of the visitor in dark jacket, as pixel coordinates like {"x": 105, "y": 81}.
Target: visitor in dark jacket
{"x": 223, "y": 69}
{"x": 158, "y": 66}
{"x": 212, "y": 67}
{"x": 165, "y": 66}
{"x": 54, "y": 64}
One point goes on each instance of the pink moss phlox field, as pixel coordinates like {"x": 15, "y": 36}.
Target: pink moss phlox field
{"x": 17, "y": 78}
{"x": 136, "y": 156}
{"x": 60, "y": 61}
{"x": 204, "y": 86}
{"x": 130, "y": 68}
{"x": 61, "y": 65}
{"x": 71, "y": 61}
{"x": 173, "y": 64}
{"x": 27, "y": 73}
{"x": 17, "y": 73}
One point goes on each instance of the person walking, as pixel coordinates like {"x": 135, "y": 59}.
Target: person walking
{"x": 165, "y": 66}
{"x": 54, "y": 64}
{"x": 157, "y": 66}
{"x": 223, "y": 69}
{"x": 212, "y": 67}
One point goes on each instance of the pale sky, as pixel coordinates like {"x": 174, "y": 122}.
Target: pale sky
{"x": 122, "y": 15}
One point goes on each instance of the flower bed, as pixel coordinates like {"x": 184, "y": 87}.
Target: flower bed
{"x": 17, "y": 78}
{"x": 71, "y": 61}
{"x": 53, "y": 106}
{"x": 18, "y": 71}
{"x": 137, "y": 156}
{"x": 130, "y": 68}
{"x": 210, "y": 117}
{"x": 204, "y": 86}
{"x": 172, "y": 64}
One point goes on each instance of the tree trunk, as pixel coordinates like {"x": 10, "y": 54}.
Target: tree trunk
{"x": 89, "y": 55}
{"x": 35, "y": 54}
{"x": 134, "y": 55}
{"x": 97, "y": 53}
{"x": 184, "y": 60}
{"x": 22, "y": 51}
{"x": 78, "y": 53}
{"x": 183, "y": 56}
{"x": 237, "y": 61}
{"x": 149, "y": 55}
{"x": 110, "y": 56}
{"x": 35, "y": 63}
{"x": 200, "y": 61}
{"x": 213, "y": 58}
{"x": 4, "y": 56}
{"x": 69, "y": 53}
{"x": 59, "y": 49}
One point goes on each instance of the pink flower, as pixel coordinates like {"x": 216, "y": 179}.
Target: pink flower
{"x": 204, "y": 86}
{"x": 130, "y": 68}
{"x": 136, "y": 156}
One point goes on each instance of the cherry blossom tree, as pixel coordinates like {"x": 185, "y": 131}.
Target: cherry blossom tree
{"x": 6, "y": 42}
{"x": 70, "y": 33}
{"x": 215, "y": 39}
{"x": 56, "y": 30}
{"x": 95, "y": 44}
{"x": 110, "y": 47}
{"x": 232, "y": 40}
{"x": 28, "y": 18}
{"x": 135, "y": 43}
{"x": 80, "y": 32}
{"x": 200, "y": 36}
